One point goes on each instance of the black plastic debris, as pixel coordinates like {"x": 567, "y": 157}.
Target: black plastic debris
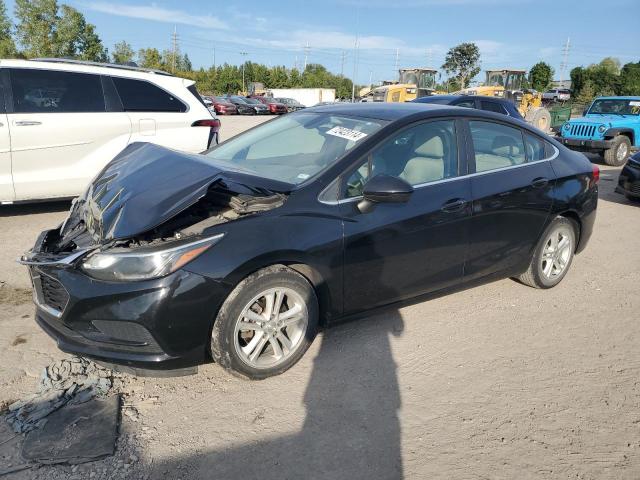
{"x": 76, "y": 433}
{"x": 69, "y": 381}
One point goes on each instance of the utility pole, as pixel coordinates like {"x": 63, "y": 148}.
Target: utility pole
{"x": 397, "y": 60}
{"x": 295, "y": 63}
{"x": 429, "y": 59}
{"x": 306, "y": 54}
{"x": 565, "y": 57}
{"x": 214, "y": 57}
{"x": 344, "y": 54}
{"x": 244, "y": 54}
{"x": 370, "y": 78}
{"x": 355, "y": 57}
{"x": 174, "y": 41}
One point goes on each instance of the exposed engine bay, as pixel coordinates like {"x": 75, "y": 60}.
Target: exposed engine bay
{"x": 219, "y": 205}
{"x": 149, "y": 195}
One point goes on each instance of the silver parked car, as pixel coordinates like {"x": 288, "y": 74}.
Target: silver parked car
{"x": 557, "y": 95}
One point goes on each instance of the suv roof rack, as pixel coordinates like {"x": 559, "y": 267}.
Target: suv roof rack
{"x": 99, "y": 64}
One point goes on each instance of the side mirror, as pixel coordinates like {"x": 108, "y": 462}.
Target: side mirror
{"x": 384, "y": 189}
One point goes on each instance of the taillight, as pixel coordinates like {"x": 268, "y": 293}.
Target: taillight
{"x": 595, "y": 176}
{"x": 214, "y": 128}
{"x": 212, "y": 123}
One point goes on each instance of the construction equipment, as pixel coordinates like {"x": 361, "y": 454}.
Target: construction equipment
{"x": 412, "y": 83}
{"x": 508, "y": 84}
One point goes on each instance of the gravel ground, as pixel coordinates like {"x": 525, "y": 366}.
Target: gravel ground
{"x": 498, "y": 381}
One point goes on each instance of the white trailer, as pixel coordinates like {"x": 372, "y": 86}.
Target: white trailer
{"x": 306, "y": 96}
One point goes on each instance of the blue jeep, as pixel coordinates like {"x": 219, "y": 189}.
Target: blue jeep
{"x": 610, "y": 127}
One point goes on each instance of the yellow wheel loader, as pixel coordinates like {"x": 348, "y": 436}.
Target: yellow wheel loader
{"x": 413, "y": 83}
{"x": 508, "y": 84}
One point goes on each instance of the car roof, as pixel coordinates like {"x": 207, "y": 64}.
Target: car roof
{"x": 427, "y": 100}
{"x": 379, "y": 110}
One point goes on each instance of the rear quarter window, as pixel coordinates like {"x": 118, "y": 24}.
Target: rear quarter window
{"x": 143, "y": 96}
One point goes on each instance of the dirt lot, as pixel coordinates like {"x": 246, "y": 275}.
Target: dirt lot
{"x": 499, "y": 381}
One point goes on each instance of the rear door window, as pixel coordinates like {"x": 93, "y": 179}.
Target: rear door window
{"x": 536, "y": 148}
{"x": 496, "y": 145}
{"x": 51, "y": 91}
{"x": 142, "y": 96}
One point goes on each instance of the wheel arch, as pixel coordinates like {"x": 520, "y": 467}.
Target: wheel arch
{"x": 572, "y": 215}
{"x": 614, "y": 132}
{"x": 328, "y": 304}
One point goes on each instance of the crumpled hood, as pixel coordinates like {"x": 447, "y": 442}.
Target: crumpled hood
{"x": 145, "y": 185}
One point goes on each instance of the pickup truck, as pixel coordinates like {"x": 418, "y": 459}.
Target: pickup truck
{"x": 609, "y": 127}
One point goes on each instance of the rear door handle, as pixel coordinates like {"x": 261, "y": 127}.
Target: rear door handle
{"x": 26, "y": 123}
{"x": 540, "y": 182}
{"x": 454, "y": 205}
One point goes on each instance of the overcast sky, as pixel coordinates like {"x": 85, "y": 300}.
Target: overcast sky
{"x": 510, "y": 33}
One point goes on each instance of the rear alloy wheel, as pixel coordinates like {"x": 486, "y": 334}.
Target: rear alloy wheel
{"x": 266, "y": 324}
{"x": 619, "y": 152}
{"x": 553, "y": 255}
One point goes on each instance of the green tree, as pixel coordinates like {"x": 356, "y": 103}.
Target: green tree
{"x": 586, "y": 94}
{"x": 7, "y": 45}
{"x": 122, "y": 53}
{"x": 75, "y": 38}
{"x": 150, "y": 58}
{"x": 44, "y": 30}
{"x": 611, "y": 65}
{"x": 36, "y": 27}
{"x": 463, "y": 62}
{"x": 540, "y": 76}
{"x": 629, "y": 81}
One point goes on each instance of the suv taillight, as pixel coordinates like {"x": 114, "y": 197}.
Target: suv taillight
{"x": 595, "y": 178}
{"x": 214, "y": 126}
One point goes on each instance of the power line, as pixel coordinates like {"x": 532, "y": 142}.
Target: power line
{"x": 174, "y": 39}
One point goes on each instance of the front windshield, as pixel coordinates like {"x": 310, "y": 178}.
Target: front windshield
{"x": 238, "y": 99}
{"x": 514, "y": 81}
{"x": 295, "y": 147}
{"x": 495, "y": 79}
{"x": 252, "y": 101}
{"x": 616, "y": 106}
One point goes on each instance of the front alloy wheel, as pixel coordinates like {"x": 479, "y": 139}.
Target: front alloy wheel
{"x": 271, "y": 327}
{"x": 266, "y": 323}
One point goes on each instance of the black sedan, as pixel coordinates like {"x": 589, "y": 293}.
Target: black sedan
{"x": 239, "y": 255}
{"x": 629, "y": 179}
{"x": 246, "y": 108}
{"x": 489, "y": 104}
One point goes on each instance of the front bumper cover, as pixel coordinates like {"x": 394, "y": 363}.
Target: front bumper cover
{"x": 157, "y": 324}
{"x": 584, "y": 144}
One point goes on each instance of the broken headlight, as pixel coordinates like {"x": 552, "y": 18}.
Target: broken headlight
{"x": 144, "y": 264}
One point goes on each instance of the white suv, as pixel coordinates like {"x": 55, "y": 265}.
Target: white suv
{"x": 61, "y": 121}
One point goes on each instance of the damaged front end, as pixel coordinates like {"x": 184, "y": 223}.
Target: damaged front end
{"x": 149, "y": 195}
{"x": 108, "y": 281}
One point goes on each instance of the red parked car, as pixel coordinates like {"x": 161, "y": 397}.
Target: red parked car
{"x": 222, "y": 106}
{"x": 275, "y": 108}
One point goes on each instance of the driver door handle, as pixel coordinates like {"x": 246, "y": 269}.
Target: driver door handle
{"x": 454, "y": 205}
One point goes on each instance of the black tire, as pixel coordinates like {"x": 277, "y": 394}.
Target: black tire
{"x": 611, "y": 155}
{"x": 223, "y": 349}
{"x": 534, "y": 276}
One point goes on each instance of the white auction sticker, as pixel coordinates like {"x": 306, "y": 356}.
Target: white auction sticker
{"x": 634, "y": 103}
{"x": 347, "y": 133}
